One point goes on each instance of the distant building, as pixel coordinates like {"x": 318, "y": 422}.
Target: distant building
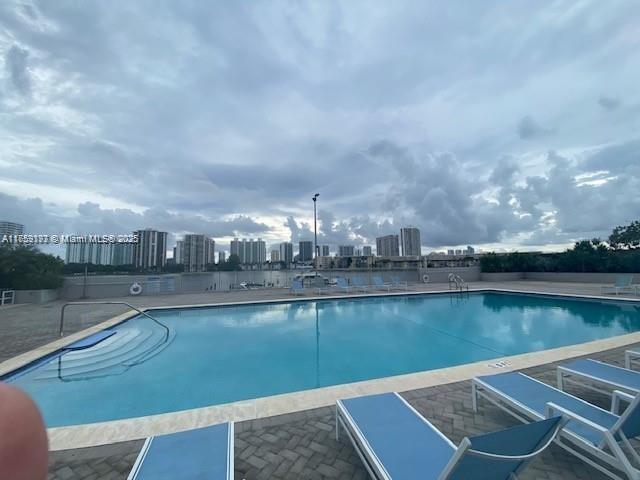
{"x": 275, "y": 256}
{"x": 178, "y": 252}
{"x": 11, "y": 228}
{"x": 346, "y": 251}
{"x": 99, "y": 253}
{"x": 286, "y": 253}
{"x": 222, "y": 257}
{"x": 450, "y": 252}
{"x": 470, "y": 250}
{"x": 305, "y": 251}
{"x": 250, "y": 252}
{"x": 388, "y": 246}
{"x": 198, "y": 252}
{"x": 325, "y": 251}
{"x": 358, "y": 252}
{"x": 151, "y": 250}
{"x": 366, "y": 251}
{"x": 459, "y": 251}
{"x": 410, "y": 241}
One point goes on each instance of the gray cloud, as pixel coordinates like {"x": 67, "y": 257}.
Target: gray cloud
{"x": 234, "y": 116}
{"x": 17, "y": 69}
{"x": 528, "y": 128}
{"x": 608, "y": 103}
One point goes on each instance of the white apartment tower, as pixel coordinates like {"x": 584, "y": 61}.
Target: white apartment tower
{"x": 198, "y": 251}
{"x": 410, "y": 241}
{"x": 151, "y": 250}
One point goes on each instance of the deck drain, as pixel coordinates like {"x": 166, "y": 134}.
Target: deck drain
{"x": 500, "y": 364}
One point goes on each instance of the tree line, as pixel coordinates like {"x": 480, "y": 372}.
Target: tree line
{"x": 619, "y": 254}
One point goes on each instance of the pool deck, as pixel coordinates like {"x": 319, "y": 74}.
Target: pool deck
{"x": 301, "y": 444}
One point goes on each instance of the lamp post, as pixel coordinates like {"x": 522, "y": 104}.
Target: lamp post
{"x": 315, "y": 234}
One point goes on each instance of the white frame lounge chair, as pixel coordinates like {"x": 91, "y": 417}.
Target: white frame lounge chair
{"x": 630, "y": 357}
{"x": 342, "y": 284}
{"x": 399, "y": 284}
{"x": 395, "y": 442}
{"x": 586, "y": 372}
{"x": 378, "y": 283}
{"x": 189, "y": 455}
{"x": 622, "y": 283}
{"x": 297, "y": 286}
{"x": 596, "y": 436}
{"x": 358, "y": 284}
{"x": 320, "y": 285}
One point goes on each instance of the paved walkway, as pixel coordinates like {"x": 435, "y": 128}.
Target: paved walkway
{"x": 303, "y": 446}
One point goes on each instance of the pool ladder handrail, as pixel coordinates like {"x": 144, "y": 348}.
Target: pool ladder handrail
{"x": 458, "y": 282}
{"x": 61, "y": 327}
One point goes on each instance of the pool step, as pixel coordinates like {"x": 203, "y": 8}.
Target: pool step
{"x": 114, "y": 355}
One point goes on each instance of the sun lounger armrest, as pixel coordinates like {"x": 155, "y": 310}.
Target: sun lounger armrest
{"x": 553, "y": 409}
{"x": 617, "y": 397}
{"x": 507, "y": 458}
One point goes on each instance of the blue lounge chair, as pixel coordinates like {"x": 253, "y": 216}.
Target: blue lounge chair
{"x": 379, "y": 284}
{"x": 621, "y": 285}
{"x": 399, "y": 284}
{"x": 297, "y": 287}
{"x": 595, "y": 435}
{"x": 587, "y": 372}
{"x": 396, "y": 443}
{"x": 190, "y": 455}
{"x": 358, "y": 283}
{"x": 342, "y": 285}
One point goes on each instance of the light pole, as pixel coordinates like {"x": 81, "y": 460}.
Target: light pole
{"x": 315, "y": 234}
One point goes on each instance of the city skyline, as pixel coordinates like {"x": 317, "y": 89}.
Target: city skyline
{"x": 230, "y": 121}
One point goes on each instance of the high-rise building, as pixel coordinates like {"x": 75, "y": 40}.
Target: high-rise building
{"x": 221, "y": 257}
{"x": 250, "y": 252}
{"x": 410, "y": 241}
{"x": 10, "y": 228}
{"x": 305, "y": 251}
{"x": 470, "y": 250}
{"x": 286, "y": 253}
{"x": 451, "y": 252}
{"x": 198, "y": 251}
{"x": 178, "y": 253}
{"x": 346, "y": 251}
{"x": 366, "y": 251}
{"x": 151, "y": 250}
{"x": 325, "y": 250}
{"x": 99, "y": 253}
{"x": 275, "y": 256}
{"x": 388, "y": 246}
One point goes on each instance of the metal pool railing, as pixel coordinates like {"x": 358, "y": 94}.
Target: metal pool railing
{"x": 61, "y": 327}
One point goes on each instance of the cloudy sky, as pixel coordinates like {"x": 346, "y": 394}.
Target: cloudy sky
{"x": 503, "y": 125}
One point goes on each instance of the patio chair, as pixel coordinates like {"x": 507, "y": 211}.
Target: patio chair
{"x": 622, "y": 284}
{"x": 358, "y": 283}
{"x": 630, "y": 357}
{"x": 320, "y": 285}
{"x": 378, "y": 283}
{"x": 342, "y": 285}
{"x": 297, "y": 287}
{"x": 398, "y": 284}
{"x": 586, "y": 372}
{"x": 596, "y": 436}
{"x": 395, "y": 442}
{"x": 189, "y": 455}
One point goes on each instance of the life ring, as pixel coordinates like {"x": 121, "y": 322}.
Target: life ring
{"x": 425, "y": 278}
{"x": 135, "y": 289}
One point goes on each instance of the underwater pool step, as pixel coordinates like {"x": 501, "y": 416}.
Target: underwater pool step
{"x": 133, "y": 349}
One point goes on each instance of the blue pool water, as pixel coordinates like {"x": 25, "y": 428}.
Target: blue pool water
{"x": 206, "y": 356}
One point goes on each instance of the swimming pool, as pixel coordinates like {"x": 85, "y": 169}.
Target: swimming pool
{"x": 198, "y": 357}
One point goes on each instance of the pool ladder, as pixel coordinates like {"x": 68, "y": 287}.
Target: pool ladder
{"x": 457, "y": 282}
{"x": 61, "y": 327}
